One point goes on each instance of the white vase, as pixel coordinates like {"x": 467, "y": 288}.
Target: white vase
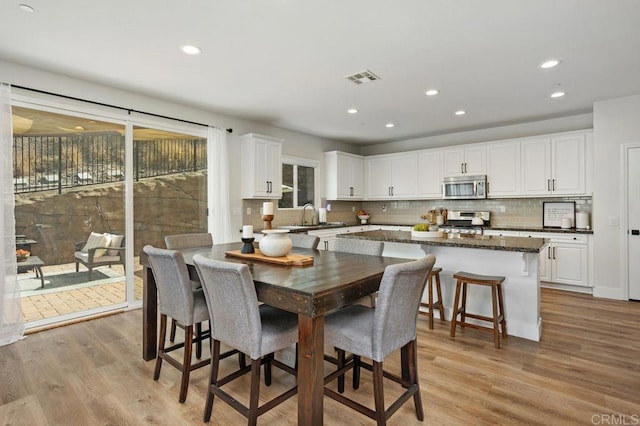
{"x": 275, "y": 243}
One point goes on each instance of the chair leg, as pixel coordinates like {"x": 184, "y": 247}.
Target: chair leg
{"x": 163, "y": 334}
{"x": 494, "y": 305}
{"x": 430, "y": 284}
{"x": 463, "y": 312}
{"x": 378, "y": 393}
{"x": 439, "y": 293}
{"x": 454, "y": 316}
{"x": 172, "y": 335}
{"x": 242, "y": 361}
{"x": 340, "y": 356}
{"x": 77, "y": 267}
{"x": 356, "y": 371}
{"x": 90, "y": 270}
{"x": 501, "y": 305}
{"x": 213, "y": 378}
{"x": 199, "y": 340}
{"x": 267, "y": 368}
{"x": 412, "y": 360}
{"x": 186, "y": 364}
{"x": 255, "y": 392}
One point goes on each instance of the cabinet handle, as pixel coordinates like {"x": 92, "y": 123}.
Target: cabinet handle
{"x": 462, "y": 168}
{"x": 270, "y": 187}
{"x": 465, "y": 167}
{"x": 392, "y": 191}
{"x": 549, "y": 253}
{"x": 553, "y": 184}
{"x": 351, "y": 191}
{"x": 548, "y": 184}
{"x": 554, "y": 253}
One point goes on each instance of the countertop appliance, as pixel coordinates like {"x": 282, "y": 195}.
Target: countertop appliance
{"x": 466, "y": 222}
{"x": 464, "y": 187}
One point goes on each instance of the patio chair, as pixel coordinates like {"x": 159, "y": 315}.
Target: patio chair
{"x": 100, "y": 250}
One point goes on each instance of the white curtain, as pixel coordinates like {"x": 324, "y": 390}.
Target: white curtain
{"x": 218, "y": 186}
{"x": 11, "y": 323}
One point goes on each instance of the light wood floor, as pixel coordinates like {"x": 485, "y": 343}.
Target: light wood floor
{"x": 586, "y": 366}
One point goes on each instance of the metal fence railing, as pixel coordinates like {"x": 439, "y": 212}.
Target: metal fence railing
{"x": 57, "y": 162}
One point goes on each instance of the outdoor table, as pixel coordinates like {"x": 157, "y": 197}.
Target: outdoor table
{"x": 35, "y": 263}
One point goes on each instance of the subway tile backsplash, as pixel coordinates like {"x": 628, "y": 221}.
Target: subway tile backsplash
{"x": 504, "y": 212}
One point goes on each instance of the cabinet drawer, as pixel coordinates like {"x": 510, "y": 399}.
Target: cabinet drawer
{"x": 557, "y": 238}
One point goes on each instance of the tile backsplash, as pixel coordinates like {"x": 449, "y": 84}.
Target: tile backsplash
{"x": 504, "y": 212}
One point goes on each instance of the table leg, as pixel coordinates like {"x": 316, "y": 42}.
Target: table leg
{"x": 310, "y": 370}
{"x": 149, "y": 314}
{"x": 39, "y": 272}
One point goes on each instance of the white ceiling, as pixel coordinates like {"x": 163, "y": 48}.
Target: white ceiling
{"x": 284, "y": 62}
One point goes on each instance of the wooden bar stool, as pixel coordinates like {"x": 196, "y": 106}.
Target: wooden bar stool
{"x": 464, "y": 278}
{"x": 438, "y": 303}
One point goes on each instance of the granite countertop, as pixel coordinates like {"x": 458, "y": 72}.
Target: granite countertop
{"x": 540, "y": 229}
{"x": 519, "y": 244}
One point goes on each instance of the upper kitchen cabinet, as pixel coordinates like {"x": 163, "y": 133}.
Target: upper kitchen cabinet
{"x": 503, "y": 169}
{"x": 392, "y": 176}
{"x": 344, "y": 176}
{"x": 465, "y": 160}
{"x": 556, "y": 165}
{"x": 430, "y": 173}
{"x": 261, "y": 166}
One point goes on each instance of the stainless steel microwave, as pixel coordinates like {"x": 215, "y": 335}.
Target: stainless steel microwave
{"x": 464, "y": 187}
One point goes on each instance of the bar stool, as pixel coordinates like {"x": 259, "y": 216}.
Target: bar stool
{"x": 464, "y": 278}
{"x": 438, "y": 303}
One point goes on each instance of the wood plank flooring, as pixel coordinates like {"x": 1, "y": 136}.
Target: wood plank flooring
{"x": 586, "y": 366}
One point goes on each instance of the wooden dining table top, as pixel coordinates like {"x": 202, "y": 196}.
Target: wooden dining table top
{"x": 334, "y": 280}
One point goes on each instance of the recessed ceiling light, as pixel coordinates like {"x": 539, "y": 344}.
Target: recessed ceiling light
{"x": 558, "y": 94}
{"x": 460, "y": 112}
{"x": 390, "y": 125}
{"x": 79, "y": 128}
{"x": 27, "y": 8}
{"x": 352, "y": 111}
{"x": 432, "y": 92}
{"x": 191, "y": 50}
{"x": 549, "y": 64}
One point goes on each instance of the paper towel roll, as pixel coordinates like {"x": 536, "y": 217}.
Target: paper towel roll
{"x": 322, "y": 215}
{"x": 582, "y": 220}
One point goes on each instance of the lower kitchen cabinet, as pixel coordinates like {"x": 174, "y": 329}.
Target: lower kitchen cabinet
{"x": 328, "y": 236}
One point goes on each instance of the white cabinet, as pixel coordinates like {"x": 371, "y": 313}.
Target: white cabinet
{"x": 344, "y": 176}
{"x": 503, "y": 169}
{"x": 392, "y": 176}
{"x": 328, "y": 236}
{"x": 554, "y": 166}
{"x": 565, "y": 260}
{"x": 465, "y": 160}
{"x": 262, "y": 166}
{"x": 430, "y": 173}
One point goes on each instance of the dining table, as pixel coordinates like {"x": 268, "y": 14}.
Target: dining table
{"x": 332, "y": 281}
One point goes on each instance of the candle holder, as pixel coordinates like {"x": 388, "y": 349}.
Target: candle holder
{"x": 267, "y": 220}
{"x": 247, "y": 247}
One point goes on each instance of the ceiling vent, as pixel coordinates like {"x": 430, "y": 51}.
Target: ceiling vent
{"x": 362, "y": 77}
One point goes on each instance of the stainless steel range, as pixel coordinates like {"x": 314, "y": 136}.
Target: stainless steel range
{"x": 466, "y": 222}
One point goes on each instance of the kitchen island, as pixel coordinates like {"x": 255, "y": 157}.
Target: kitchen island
{"x": 515, "y": 258}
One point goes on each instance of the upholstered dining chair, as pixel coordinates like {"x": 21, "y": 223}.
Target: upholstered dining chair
{"x": 241, "y": 323}
{"x": 304, "y": 240}
{"x": 376, "y": 332}
{"x": 179, "y": 302}
{"x": 182, "y": 242}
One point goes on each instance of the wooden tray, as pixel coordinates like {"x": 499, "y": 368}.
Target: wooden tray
{"x": 289, "y": 260}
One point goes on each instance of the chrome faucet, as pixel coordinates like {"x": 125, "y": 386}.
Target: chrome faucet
{"x": 304, "y": 210}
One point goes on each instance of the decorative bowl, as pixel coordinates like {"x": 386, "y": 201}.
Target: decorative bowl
{"x": 417, "y": 235}
{"x": 275, "y": 243}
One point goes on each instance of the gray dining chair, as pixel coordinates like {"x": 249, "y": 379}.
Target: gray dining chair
{"x": 304, "y": 240}
{"x": 182, "y": 242}
{"x": 240, "y": 322}
{"x": 179, "y": 302}
{"x": 375, "y": 333}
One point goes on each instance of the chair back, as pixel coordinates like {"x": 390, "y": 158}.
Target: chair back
{"x": 305, "y": 240}
{"x": 174, "y": 287}
{"x": 349, "y": 245}
{"x": 396, "y": 312}
{"x": 233, "y": 304}
{"x": 186, "y": 241}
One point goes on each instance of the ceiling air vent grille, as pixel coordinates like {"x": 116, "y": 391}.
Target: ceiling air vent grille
{"x": 363, "y": 77}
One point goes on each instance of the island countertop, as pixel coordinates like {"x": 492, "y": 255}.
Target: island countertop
{"x": 486, "y": 242}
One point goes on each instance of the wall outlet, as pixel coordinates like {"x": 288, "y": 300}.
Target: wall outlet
{"x": 248, "y": 211}
{"x": 384, "y": 207}
{"x": 502, "y": 209}
{"x": 614, "y": 221}
{"x": 353, "y": 208}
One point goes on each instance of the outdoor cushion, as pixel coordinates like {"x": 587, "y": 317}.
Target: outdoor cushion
{"x": 96, "y": 240}
{"x": 102, "y": 259}
{"x": 115, "y": 242}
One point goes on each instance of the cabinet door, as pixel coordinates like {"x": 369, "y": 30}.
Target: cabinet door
{"x": 379, "y": 178}
{"x": 404, "y": 176}
{"x": 344, "y": 177}
{"x": 454, "y": 162}
{"x": 262, "y": 167}
{"x": 475, "y": 160}
{"x": 568, "y": 165}
{"x": 545, "y": 264}
{"x": 570, "y": 264}
{"x": 274, "y": 169}
{"x": 503, "y": 169}
{"x": 535, "y": 155}
{"x": 430, "y": 174}
{"x": 356, "y": 167}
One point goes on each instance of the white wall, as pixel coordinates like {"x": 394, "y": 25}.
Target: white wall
{"x": 296, "y": 144}
{"x": 616, "y": 123}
